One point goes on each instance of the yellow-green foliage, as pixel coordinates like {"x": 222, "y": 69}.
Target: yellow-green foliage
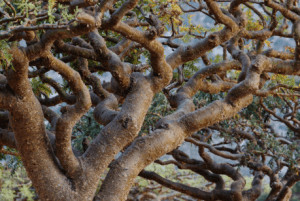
{"x": 5, "y": 56}
{"x": 15, "y": 185}
{"x": 40, "y": 88}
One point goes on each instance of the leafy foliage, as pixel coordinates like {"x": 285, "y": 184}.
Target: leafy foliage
{"x": 39, "y": 88}
{"x": 5, "y": 55}
{"x": 87, "y": 128}
{"x": 15, "y": 185}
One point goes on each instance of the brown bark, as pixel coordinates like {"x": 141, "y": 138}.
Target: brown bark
{"x": 104, "y": 37}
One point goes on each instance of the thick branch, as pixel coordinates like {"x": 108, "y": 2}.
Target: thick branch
{"x": 70, "y": 115}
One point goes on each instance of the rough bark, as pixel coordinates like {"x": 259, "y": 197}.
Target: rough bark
{"x": 101, "y": 38}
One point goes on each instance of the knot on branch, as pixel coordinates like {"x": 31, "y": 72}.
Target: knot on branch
{"x": 162, "y": 124}
{"x": 257, "y": 65}
{"x": 126, "y": 121}
{"x": 133, "y": 82}
{"x": 276, "y": 185}
{"x": 154, "y": 21}
{"x": 151, "y": 34}
{"x": 213, "y": 38}
{"x": 140, "y": 142}
{"x": 260, "y": 175}
{"x": 115, "y": 164}
{"x": 171, "y": 98}
{"x": 242, "y": 22}
{"x": 189, "y": 50}
{"x": 64, "y": 109}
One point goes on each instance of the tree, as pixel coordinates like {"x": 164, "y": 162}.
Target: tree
{"x": 246, "y": 91}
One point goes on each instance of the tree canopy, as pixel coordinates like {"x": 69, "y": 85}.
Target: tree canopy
{"x": 91, "y": 86}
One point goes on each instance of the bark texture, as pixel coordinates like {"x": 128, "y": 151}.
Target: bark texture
{"x": 105, "y": 36}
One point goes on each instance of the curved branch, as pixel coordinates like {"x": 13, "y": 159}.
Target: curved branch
{"x": 192, "y": 191}
{"x": 51, "y": 116}
{"x": 17, "y": 78}
{"x": 110, "y": 60}
{"x": 162, "y": 71}
{"x": 240, "y": 56}
{"x": 277, "y": 54}
{"x": 105, "y": 111}
{"x": 166, "y": 137}
{"x": 120, "y": 131}
{"x": 286, "y": 191}
{"x": 125, "y": 8}
{"x": 284, "y": 11}
{"x": 286, "y": 122}
{"x": 87, "y": 23}
{"x": 70, "y": 115}
{"x": 255, "y": 191}
{"x": 214, "y": 150}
